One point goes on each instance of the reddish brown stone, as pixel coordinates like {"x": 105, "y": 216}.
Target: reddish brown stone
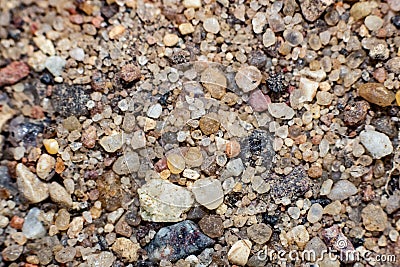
{"x": 17, "y": 222}
{"x": 13, "y": 73}
{"x": 89, "y": 137}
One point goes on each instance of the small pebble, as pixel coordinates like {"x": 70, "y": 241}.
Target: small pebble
{"x": 212, "y": 225}
{"x": 377, "y": 94}
{"x": 378, "y": 144}
{"x": 170, "y": 39}
{"x": 211, "y": 25}
{"x": 374, "y": 218}
{"x": 248, "y": 78}
{"x": 112, "y": 142}
{"x": 315, "y": 213}
{"x": 259, "y": 233}
{"x": 239, "y": 252}
{"x": 51, "y": 146}
{"x": 342, "y": 190}
{"x": 208, "y": 192}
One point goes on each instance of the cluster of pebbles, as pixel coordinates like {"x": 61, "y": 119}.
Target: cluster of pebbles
{"x": 199, "y": 133}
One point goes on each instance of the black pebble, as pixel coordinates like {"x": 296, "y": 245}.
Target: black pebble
{"x": 396, "y": 21}
{"x": 47, "y": 79}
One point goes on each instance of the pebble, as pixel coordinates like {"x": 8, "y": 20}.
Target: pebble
{"x": 175, "y": 163}
{"x": 126, "y": 249}
{"x": 4, "y": 221}
{"x": 315, "y": 213}
{"x": 186, "y": 28}
{"x": 51, "y": 146}
{"x": 12, "y": 252}
{"x": 191, "y": 174}
{"x": 299, "y": 235}
{"x": 308, "y": 89}
{"x": 268, "y": 38}
{"x": 211, "y": 25}
{"x": 89, "y": 137}
{"x": 75, "y": 227}
{"x": 77, "y": 53}
{"x": 55, "y": 65}
{"x": 398, "y": 98}
{"x": 208, "y": 192}
{"x": 361, "y": 9}
{"x": 126, "y": 164}
{"x": 154, "y": 111}
{"x": 72, "y": 123}
{"x": 342, "y": 190}
{"x": 293, "y": 37}
{"x": 312, "y": 9}
{"x": 378, "y": 144}
{"x": 209, "y": 124}
{"x": 239, "y": 252}
{"x": 45, "y": 45}
{"x": 33, "y": 227}
{"x": 258, "y": 101}
{"x": 212, "y": 225}
{"x": 258, "y": 21}
{"x": 232, "y": 148}
{"x": 13, "y": 73}
{"x": 281, "y": 111}
{"x": 192, "y": 3}
{"x": 324, "y": 98}
{"x": 336, "y": 240}
{"x": 393, "y": 65}
{"x": 103, "y": 259}
{"x": 355, "y": 113}
{"x": 376, "y": 93}
{"x": 234, "y": 167}
{"x": 177, "y": 241}
{"x": 259, "y": 185}
{"x": 393, "y": 202}
{"x": 248, "y": 78}
{"x": 333, "y": 208}
{"x": 259, "y": 233}
{"x": 130, "y": 73}
{"x": 112, "y": 143}
{"x": 373, "y": 22}
{"x": 374, "y": 218}
{"x": 394, "y": 5}
{"x": 170, "y": 39}
{"x": 214, "y": 81}
{"x": 59, "y": 194}
{"x": 162, "y": 201}
{"x": 116, "y": 32}
{"x": 193, "y": 157}
{"x": 66, "y": 254}
{"x": 62, "y": 220}
{"x": 138, "y": 140}
{"x": 294, "y": 212}
{"x": 30, "y": 186}
{"x": 45, "y": 166}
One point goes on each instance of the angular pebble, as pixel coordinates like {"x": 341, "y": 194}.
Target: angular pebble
{"x": 258, "y": 101}
{"x": 162, "y": 201}
{"x": 45, "y": 166}
{"x": 239, "y": 252}
{"x": 33, "y": 227}
{"x": 127, "y": 163}
{"x": 126, "y": 249}
{"x": 177, "y": 241}
{"x": 112, "y": 142}
{"x": 374, "y": 218}
{"x": 378, "y": 144}
{"x": 342, "y": 190}
{"x": 281, "y": 111}
{"x": 248, "y": 78}
{"x": 212, "y": 225}
{"x": 59, "y": 194}
{"x": 30, "y": 186}
{"x": 13, "y": 73}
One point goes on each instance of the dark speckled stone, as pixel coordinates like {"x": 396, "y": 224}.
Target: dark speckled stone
{"x": 177, "y": 241}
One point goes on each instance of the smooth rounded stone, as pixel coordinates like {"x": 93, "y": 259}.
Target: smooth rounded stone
{"x": 62, "y": 220}
{"x": 232, "y": 148}
{"x": 293, "y": 37}
{"x": 55, "y": 65}
{"x": 394, "y": 5}
{"x": 154, "y": 111}
{"x": 209, "y": 124}
{"x": 37, "y": 60}
{"x": 315, "y": 213}
{"x": 333, "y": 208}
{"x": 30, "y": 186}
{"x": 294, "y": 212}
{"x": 208, "y": 192}
{"x": 45, "y": 166}
{"x": 211, "y": 25}
{"x": 374, "y": 218}
{"x": 260, "y": 185}
{"x": 162, "y": 201}
{"x": 103, "y": 259}
{"x": 239, "y": 252}
{"x": 193, "y": 157}
{"x": 377, "y": 94}
{"x": 177, "y": 241}
{"x": 315, "y": 42}
{"x": 393, "y": 65}
{"x": 258, "y": 21}
{"x": 276, "y": 22}
{"x": 126, "y": 249}
{"x": 234, "y": 167}
{"x": 66, "y": 254}
{"x": 259, "y": 233}
{"x": 342, "y": 190}
{"x": 77, "y": 53}
{"x": 12, "y": 252}
{"x": 127, "y": 163}
{"x": 214, "y": 81}
{"x": 258, "y": 101}
{"x": 378, "y": 144}
{"x": 170, "y": 39}
{"x": 373, "y": 23}
{"x": 268, "y": 38}
{"x": 248, "y": 78}
{"x": 191, "y": 174}
{"x": 324, "y": 98}
{"x": 59, "y": 194}
{"x": 51, "y": 146}
{"x": 175, "y": 163}
{"x": 33, "y": 227}
{"x": 361, "y": 9}
{"x": 192, "y": 3}
{"x": 112, "y": 142}
{"x": 72, "y": 123}
{"x": 281, "y": 111}
{"x": 116, "y": 32}
{"x": 326, "y": 187}
{"x": 212, "y": 225}
{"x": 312, "y": 9}
{"x": 299, "y": 235}
{"x": 45, "y": 45}
{"x": 186, "y": 28}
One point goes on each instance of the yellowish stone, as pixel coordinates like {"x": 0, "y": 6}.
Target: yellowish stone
{"x": 165, "y": 174}
{"x": 186, "y": 28}
{"x": 117, "y": 32}
{"x": 51, "y": 146}
{"x": 176, "y": 163}
{"x": 398, "y": 98}
{"x": 170, "y": 39}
